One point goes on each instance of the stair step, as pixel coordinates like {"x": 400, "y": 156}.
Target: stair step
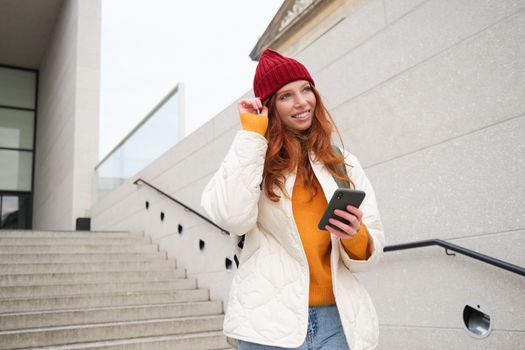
{"x": 94, "y": 288}
{"x": 100, "y": 290}
{"x": 107, "y": 331}
{"x": 107, "y": 314}
{"x": 85, "y": 248}
{"x": 31, "y": 233}
{"x": 30, "y": 240}
{"x": 108, "y": 299}
{"x": 89, "y": 277}
{"x": 146, "y": 265}
{"x": 203, "y": 341}
{"x": 31, "y": 258}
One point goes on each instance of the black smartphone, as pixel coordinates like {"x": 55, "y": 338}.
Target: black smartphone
{"x": 341, "y": 198}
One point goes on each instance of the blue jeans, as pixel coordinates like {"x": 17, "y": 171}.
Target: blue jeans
{"x": 324, "y": 332}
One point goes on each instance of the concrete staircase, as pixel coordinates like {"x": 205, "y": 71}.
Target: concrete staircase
{"x": 100, "y": 290}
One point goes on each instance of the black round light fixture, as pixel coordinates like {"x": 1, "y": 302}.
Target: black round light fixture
{"x": 228, "y": 264}
{"x": 476, "y": 320}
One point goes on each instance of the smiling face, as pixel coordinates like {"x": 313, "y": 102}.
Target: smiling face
{"x": 295, "y": 105}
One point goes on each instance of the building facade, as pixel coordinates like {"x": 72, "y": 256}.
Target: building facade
{"x": 430, "y": 96}
{"x": 49, "y": 98}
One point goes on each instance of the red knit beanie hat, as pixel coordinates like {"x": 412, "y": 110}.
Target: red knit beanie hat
{"x": 274, "y": 71}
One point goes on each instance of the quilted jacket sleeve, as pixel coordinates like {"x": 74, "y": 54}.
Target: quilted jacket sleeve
{"x": 232, "y": 195}
{"x": 370, "y": 218}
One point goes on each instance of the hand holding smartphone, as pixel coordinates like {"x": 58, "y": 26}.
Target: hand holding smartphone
{"x": 341, "y": 198}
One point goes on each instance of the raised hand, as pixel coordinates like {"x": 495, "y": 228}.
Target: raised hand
{"x": 252, "y": 105}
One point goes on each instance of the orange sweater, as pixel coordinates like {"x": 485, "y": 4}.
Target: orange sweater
{"x": 317, "y": 244}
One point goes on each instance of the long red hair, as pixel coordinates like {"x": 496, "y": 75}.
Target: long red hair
{"x": 288, "y": 149}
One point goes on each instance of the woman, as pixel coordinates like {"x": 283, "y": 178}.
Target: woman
{"x": 295, "y": 286}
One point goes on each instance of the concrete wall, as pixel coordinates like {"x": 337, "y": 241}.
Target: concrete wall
{"x": 67, "y": 121}
{"x": 430, "y": 95}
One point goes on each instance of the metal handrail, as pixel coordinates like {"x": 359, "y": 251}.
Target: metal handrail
{"x": 180, "y": 203}
{"x": 390, "y": 248}
{"x": 461, "y": 250}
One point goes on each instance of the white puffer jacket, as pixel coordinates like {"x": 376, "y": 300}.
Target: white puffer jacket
{"x": 268, "y": 301}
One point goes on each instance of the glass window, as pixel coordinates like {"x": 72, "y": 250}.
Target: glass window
{"x": 15, "y": 170}
{"x": 16, "y": 128}
{"x": 9, "y": 210}
{"x": 15, "y": 211}
{"x": 151, "y": 140}
{"x": 157, "y": 134}
{"x": 17, "y": 88}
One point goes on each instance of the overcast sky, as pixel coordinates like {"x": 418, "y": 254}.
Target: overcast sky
{"x": 148, "y": 46}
